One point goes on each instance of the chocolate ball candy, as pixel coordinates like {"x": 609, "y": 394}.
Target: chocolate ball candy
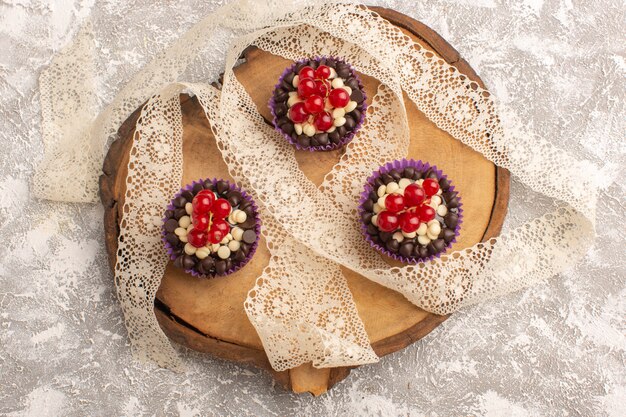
{"x": 395, "y": 175}
{"x": 454, "y": 203}
{"x": 334, "y": 136}
{"x": 406, "y": 249}
{"x": 171, "y": 225}
{"x": 385, "y": 236}
{"x": 451, "y": 219}
{"x": 393, "y": 245}
{"x": 386, "y": 178}
{"x": 367, "y": 217}
{"x": 287, "y": 127}
{"x": 408, "y": 172}
{"x": 187, "y": 195}
{"x": 289, "y": 77}
{"x": 180, "y": 212}
{"x": 208, "y": 185}
{"x": 234, "y": 197}
{"x": 188, "y": 262}
{"x": 357, "y": 95}
{"x": 222, "y": 187}
{"x": 448, "y": 234}
{"x": 281, "y": 95}
{"x": 304, "y": 141}
{"x": 197, "y": 188}
{"x": 372, "y": 230}
{"x": 220, "y": 267}
{"x": 239, "y": 256}
{"x": 439, "y": 245}
{"x": 178, "y": 262}
{"x": 368, "y": 205}
{"x": 350, "y": 123}
{"x": 322, "y": 139}
{"x": 172, "y": 239}
{"x": 179, "y": 202}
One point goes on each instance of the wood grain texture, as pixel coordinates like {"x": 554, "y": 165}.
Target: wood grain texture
{"x": 208, "y": 315}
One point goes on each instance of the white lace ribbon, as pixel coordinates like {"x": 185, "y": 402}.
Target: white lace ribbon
{"x": 301, "y": 305}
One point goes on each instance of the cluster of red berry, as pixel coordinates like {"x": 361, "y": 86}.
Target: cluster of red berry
{"x": 207, "y": 218}
{"x": 314, "y": 88}
{"x": 408, "y": 211}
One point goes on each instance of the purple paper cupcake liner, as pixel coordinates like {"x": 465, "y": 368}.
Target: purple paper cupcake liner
{"x": 401, "y": 165}
{"x": 257, "y": 227}
{"x": 331, "y": 146}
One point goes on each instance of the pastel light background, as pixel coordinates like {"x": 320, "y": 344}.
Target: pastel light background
{"x": 556, "y": 349}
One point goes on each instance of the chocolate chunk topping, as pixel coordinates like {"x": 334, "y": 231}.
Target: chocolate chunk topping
{"x": 222, "y": 187}
{"x": 393, "y": 245}
{"x": 208, "y": 185}
{"x": 178, "y": 213}
{"x": 385, "y": 236}
{"x": 451, "y": 219}
{"x": 322, "y": 138}
{"x": 249, "y": 236}
{"x": 234, "y": 198}
{"x": 367, "y": 217}
{"x": 188, "y": 262}
{"x": 220, "y": 267}
{"x": 406, "y": 249}
{"x": 187, "y": 195}
{"x": 357, "y": 95}
{"x": 179, "y": 202}
{"x": 372, "y": 230}
{"x": 171, "y": 225}
{"x": 197, "y": 188}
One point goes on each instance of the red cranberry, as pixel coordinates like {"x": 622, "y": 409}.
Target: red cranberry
{"x": 202, "y": 203}
{"x": 307, "y": 88}
{"x": 414, "y": 195}
{"x": 200, "y": 221}
{"x": 221, "y": 208}
{"x": 394, "y": 202}
{"x": 426, "y": 213}
{"x": 339, "y": 98}
{"x": 409, "y": 221}
{"x": 314, "y": 104}
{"x": 323, "y": 87}
{"x": 298, "y": 113}
{"x": 220, "y": 224}
{"x": 431, "y": 186}
{"x": 197, "y": 238}
{"x": 388, "y": 221}
{"x": 323, "y": 121}
{"x": 306, "y": 72}
{"x": 215, "y": 235}
{"x": 322, "y": 72}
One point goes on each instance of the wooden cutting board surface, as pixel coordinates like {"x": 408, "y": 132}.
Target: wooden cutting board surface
{"x": 208, "y": 315}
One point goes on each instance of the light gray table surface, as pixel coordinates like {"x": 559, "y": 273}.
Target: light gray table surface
{"x": 556, "y": 349}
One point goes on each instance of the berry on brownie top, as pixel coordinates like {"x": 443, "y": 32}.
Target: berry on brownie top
{"x": 319, "y": 103}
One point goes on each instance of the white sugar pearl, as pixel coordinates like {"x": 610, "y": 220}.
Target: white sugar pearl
{"x": 333, "y": 73}
{"x": 189, "y": 228}
{"x": 224, "y": 241}
{"x": 442, "y": 210}
{"x": 190, "y": 249}
{"x": 398, "y": 236}
{"x": 180, "y": 231}
{"x": 183, "y": 238}
{"x": 350, "y": 106}
{"x": 409, "y": 235}
{"x": 381, "y": 202}
{"x": 308, "y": 129}
{"x": 298, "y": 128}
{"x": 231, "y": 219}
{"x": 296, "y": 81}
{"x": 229, "y": 237}
{"x": 337, "y": 113}
{"x": 237, "y": 233}
{"x": 377, "y": 208}
{"x": 375, "y": 219}
{"x": 331, "y": 130}
{"x": 422, "y": 229}
{"x": 327, "y": 105}
{"x": 340, "y": 121}
{"x": 423, "y": 240}
{"x": 404, "y": 182}
{"x": 431, "y": 236}
{"x": 392, "y": 187}
{"x": 435, "y": 229}
{"x": 234, "y": 245}
{"x": 420, "y": 181}
{"x": 184, "y": 221}
{"x": 189, "y": 208}
{"x": 348, "y": 89}
{"x": 215, "y": 247}
{"x": 337, "y": 83}
{"x": 202, "y": 252}
{"x": 436, "y": 200}
{"x": 240, "y": 216}
{"x": 439, "y": 192}
{"x": 381, "y": 190}
{"x": 223, "y": 252}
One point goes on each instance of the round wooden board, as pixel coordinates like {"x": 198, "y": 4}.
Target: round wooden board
{"x": 208, "y": 315}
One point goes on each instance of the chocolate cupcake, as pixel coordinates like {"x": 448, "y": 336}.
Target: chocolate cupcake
{"x": 318, "y": 104}
{"x": 211, "y": 228}
{"x": 410, "y": 211}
